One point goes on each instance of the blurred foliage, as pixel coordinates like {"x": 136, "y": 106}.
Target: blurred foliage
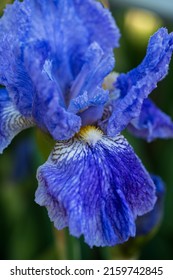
{"x": 26, "y": 231}
{"x": 163, "y": 8}
{"x": 3, "y": 3}
{"x": 105, "y": 3}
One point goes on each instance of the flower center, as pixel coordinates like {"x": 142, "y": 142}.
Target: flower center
{"x": 109, "y": 81}
{"x": 90, "y": 134}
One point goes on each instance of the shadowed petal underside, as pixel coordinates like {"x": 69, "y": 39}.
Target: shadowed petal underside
{"x": 152, "y": 123}
{"x": 146, "y": 223}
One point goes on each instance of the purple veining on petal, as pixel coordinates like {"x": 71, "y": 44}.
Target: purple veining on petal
{"x": 96, "y": 186}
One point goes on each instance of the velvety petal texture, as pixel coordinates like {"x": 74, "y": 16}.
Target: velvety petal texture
{"x": 65, "y": 113}
{"x": 136, "y": 85}
{"x": 89, "y": 80}
{"x": 14, "y": 27}
{"x": 43, "y": 47}
{"x": 152, "y": 123}
{"x": 146, "y": 223}
{"x": 54, "y": 57}
{"x": 96, "y": 186}
{"x": 11, "y": 121}
{"x": 52, "y": 116}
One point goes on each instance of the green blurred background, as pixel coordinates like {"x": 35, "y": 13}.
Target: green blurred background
{"x": 25, "y": 229}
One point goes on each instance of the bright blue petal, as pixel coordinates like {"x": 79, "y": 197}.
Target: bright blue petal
{"x": 152, "y": 219}
{"x": 91, "y": 115}
{"x": 82, "y": 102}
{"x": 87, "y": 95}
{"x": 48, "y": 111}
{"x": 41, "y": 37}
{"x": 96, "y": 186}
{"x": 99, "y": 23}
{"x": 152, "y": 123}
{"x": 11, "y": 121}
{"x": 137, "y": 84}
{"x": 69, "y": 27}
{"x": 96, "y": 67}
{"x": 51, "y": 39}
{"x": 13, "y": 75}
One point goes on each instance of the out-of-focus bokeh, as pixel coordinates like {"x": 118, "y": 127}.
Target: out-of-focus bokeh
{"x": 26, "y": 231}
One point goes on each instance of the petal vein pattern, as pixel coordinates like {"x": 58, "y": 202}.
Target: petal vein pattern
{"x": 38, "y": 47}
{"x": 152, "y": 123}
{"x": 96, "y": 188}
{"x": 137, "y": 84}
{"x": 12, "y": 122}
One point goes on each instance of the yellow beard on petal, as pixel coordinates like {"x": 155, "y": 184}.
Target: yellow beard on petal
{"x": 90, "y": 134}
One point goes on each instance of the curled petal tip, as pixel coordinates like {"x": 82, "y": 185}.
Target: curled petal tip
{"x": 137, "y": 84}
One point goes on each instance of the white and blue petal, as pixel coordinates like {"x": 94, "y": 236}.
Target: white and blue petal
{"x": 146, "y": 223}
{"x": 136, "y": 85}
{"x": 152, "y": 123}
{"x": 96, "y": 186}
{"x": 11, "y": 121}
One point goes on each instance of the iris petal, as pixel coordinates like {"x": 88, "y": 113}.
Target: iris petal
{"x": 11, "y": 121}
{"x": 36, "y": 34}
{"x": 96, "y": 186}
{"x": 51, "y": 115}
{"x": 152, "y": 123}
{"x": 13, "y": 74}
{"x": 152, "y": 219}
{"x": 65, "y": 48}
{"x": 97, "y": 65}
{"x": 137, "y": 84}
{"x": 87, "y": 94}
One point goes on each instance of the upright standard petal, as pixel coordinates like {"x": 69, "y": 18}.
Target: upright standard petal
{"x": 11, "y": 121}
{"x": 137, "y": 84}
{"x": 96, "y": 186}
{"x": 86, "y": 93}
{"x": 49, "y": 112}
{"x": 152, "y": 123}
{"x": 62, "y": 17}
{"x": 96, "y": 67}
{"x": 52, "y": 36}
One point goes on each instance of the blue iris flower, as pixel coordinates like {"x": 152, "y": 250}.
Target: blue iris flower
{"x": 55, "y": 61}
